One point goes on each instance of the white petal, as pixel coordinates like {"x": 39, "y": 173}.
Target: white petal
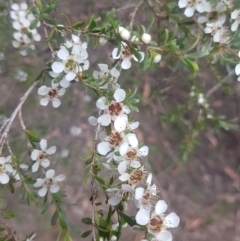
{"x": 115, "y": 73}
{"x": 4, "y": 178}
{"x": 135, "y": 164}
{"x": 39, "y": 182}
{"x": 189, "y": 12}
{"x": 45, "y": 163}
{"x": 202, "y": 19}
{"x": 61, "y": 92}
{"x": 103, "y": 67}
{"x": 23, "y": 166}
{"x": 50, "y": 173}
{"x": 143, "y": 151}
{"x": 237, "y": 69}
{"x": 221, "y": 7}
{"x": 42, "y": 192}
{"x": 134, "y": 125}
{"x": 34, "y": 154}
{"x": 70, "y": 76}
{"x": 103, "y": 148}
{"x": 124, "y": 177}
{"x": 58, "y": 67}
{"x": 161, "y": 207}
{"x": 35, "y": 166}
{"x": 56, "y": 102}
{"x": 123, "y": 148}
{"x": 149, "y": 179}
{"x": 114, "y": 201}
{"x": 234, "y": 26}
{"x": 164, "y": 236}
{"x": 120, "y": 124}
{"x": 132, "y": 139}
{"x": 43, "y": 144}
{"x": 104, "y": 120}
{"x": 142, "y": 217}
{"x": 101, "y": 103}
{"x": 92, "y": 120}
{"x": 182, "y": 3}
{"x": 15, "y": 7}
{"x": 128, "y": 188}
{"x": 63, "y": 53}
{"x": 60, "y": 178}
{"x": 43, "y": 90}
{"x": 52, "y": 74}
{"x": 139, "y": 193}
{"x": 114, "y": 53}
{"x": 172, "y": 220}
{"x": 126, "y": 64}
{"x": 234, "y": 14}
{"x": 54, "y": 188}
{"x": 200, "y": 7}
{"x": 64, "y": 83}
{"x": 44, "y": 101}
{"x": 122, "y": 167}
{"x": 119, "y": 95}
{"x": 51, "y": 150}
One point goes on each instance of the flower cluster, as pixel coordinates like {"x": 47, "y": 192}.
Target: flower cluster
{"x": 69, "y": 66}
{"x": 124, "y": 153}
{"x": 24, "y": 37}
{"x": 40, "y": 158}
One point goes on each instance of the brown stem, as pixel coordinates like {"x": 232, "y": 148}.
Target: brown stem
{"x": 133, "y": 14}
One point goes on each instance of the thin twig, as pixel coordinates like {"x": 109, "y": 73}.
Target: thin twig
{"x": 14, "y": 114}
{"x": 4, "y": 124}
{"x": 218, "y": 85}
{"x": 21, "y": 119}
{"x": 133, "y": 14}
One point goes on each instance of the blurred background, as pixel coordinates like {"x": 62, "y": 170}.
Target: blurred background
{"x": 195, "y": 161}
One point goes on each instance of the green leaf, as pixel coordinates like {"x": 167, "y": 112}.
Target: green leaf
{"x": 7, "y": 215}
{"x": 191, "y": 64}
{"x": 198, "y": 54}
{"x": 74, "y": 228}
{"x": 34, "y": 24}
{"x": 87, "y": 221}
{"x": 54, "y": 218}
{"x": 67, "y": 237}
{"x": 49, "y": 8}
{"x": 12, "y": 189}
{"x": 39, "y": 5}
{"x": 103, "y": 16}
{"x": 85, "y": 234}
{"x": 63, "y": 222}
{"x": 129, "y": 220}
{"x": 166, "y": 35}
{"x": 51, "y": 35}
{"x": 50, "y": 21}
{"x": 100, "y": 180}
{"x": 78, "y": 25}
{"x": 135, "y": 53}
{"x": 92, "y": 23}
{"x": 32, "y": 136}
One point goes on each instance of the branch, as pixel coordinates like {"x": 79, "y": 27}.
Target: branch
{"x": 133, "y": 14}
{"x": 14, "y": 114}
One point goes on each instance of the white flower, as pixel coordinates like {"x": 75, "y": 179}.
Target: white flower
{"x": 201, "y": 99}
{"x": 157, "y": 58}
{"x": 215, "y": 15}
{"x": 235, "y": 15}
{"x": 108, "y": 77}
{"x": 146, "y": 38}
{"x": 102, "y": 41}
{"x": 115, "y": 111}
{"x": 75, "y": 131}
{"x": 5, "y": 168}
{"x": 71, "y": 64}
{"x": 15, "y": 172}
{"x": 125, "y": 193}
{"x": 50, "y": 182}
{"x": 124, "y": 33}
{"x": 41, "y": 156}
{"x": 192, "y": 5}
{"x": 157, "y": 221}
{"x": 146, "y": 198}
{"x": 63, "y": 82}
{"x": 51, "y": 94}
{"x": 126, "y": 56}
{"x": 20, "y": 75}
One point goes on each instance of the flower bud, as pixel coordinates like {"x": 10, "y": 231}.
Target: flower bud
{"x": 102, "y": 41}
{"x": 157, "y": 58}
{"x": 146, "y": 38}
{"x": 124, "y": 33}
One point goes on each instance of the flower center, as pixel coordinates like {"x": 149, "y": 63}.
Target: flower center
{"x": 49, "y": 182}
{"x": 155, "y": 225}
{"x": 42, "y": 156}
{"x": 213, "y": 15}
{"x": 115, "y": 139}
{"x": 131, "y": 155}
{"x": 24, "y": 30}
{"x": 115, "y": 109}
{"x": 126, "y": 52}
{"x": 2, "y": 168}
{"x": 52, "y": 93}
{"x": 135, "y": 177}
{"x": 71, "y": 65}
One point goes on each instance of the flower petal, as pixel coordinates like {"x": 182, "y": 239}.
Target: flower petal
{"x": 123, "y": 148}
{"x": 161, "y": 207}
{"x": 60, "y": 178}
{"x": 172, "y": 220}
{"x": 43, "y": 90}
{"x": 143, "y": 217}
{"x": 51, "y": 150}
{"x": 54, "y": 188}
{"x": 63, "y": 53}
{"x": 122, "y": 167}
{"x": 101, "y": 103}
{"x": 4, "y": 178}
{"x": 164, "y": 236}
{"x": 126, "y": 64}
{"x": 103, "y": 148}
{"x": 44, "y": 101}
{"x": 139, "y": 193}
{"x": 42, "y": 192}
{"x": 34, "y": 154}
{"x": 92, "y": 120}
{"x": 50, "y": 173}
{"x": 104, "y": 120}
{"x": 56, "y": 102}
{"x": 58, "y": 67}
{"x": 35, "y": 166}
{"x": 119, "y": 95}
